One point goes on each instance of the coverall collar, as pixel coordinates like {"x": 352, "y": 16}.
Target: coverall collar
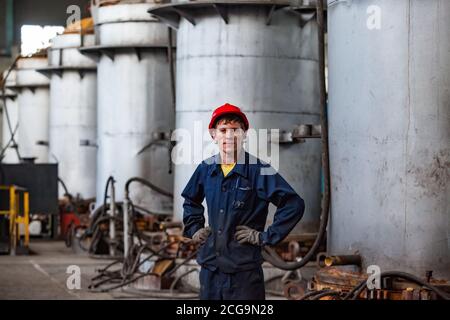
{"x": 240, "y": 168}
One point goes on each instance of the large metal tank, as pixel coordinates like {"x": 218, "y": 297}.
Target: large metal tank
{"x": 134, "y": 101}
{"x": 263, "y": 57}
{"x": 10, "y": 154}
{"x": 33, "y": 101}
{"x": 73, "y": 113}
{"x": 389, "y": 128}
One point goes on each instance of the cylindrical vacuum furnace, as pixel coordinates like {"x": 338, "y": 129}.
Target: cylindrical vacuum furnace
{"x": 33, "y": 102}
{"x": 389, "y": 128}
{"x": 73, "y": 113}
{"x": 263, "y": 57}
{"x": 135, "y": 108}
{"x": 11, "y": 111}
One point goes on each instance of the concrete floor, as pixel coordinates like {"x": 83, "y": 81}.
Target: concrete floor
{"x": 43, "y": 274}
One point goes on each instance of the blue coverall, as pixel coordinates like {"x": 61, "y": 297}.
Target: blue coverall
{"x": 231, "y": 270}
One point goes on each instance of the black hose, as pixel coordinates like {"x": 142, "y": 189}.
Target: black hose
{"x": 311, "y": 294}
{"x": 104, "y": 269}
{"x": 80, "y": 239}
{"x": 171, "y": 68}
{"x": 66, "y": 191}
{"x": 126, "y": 271}
{"x": 99, "y": 216}
{"x": 109, "y": 182}
{"x": 182, "y": 263}
{"x": 69, "y": 235}
{"x": 326, "y": 293}
{"x": 154, "y": 253}
{"x": 178, "y": 278}
{"x": 358, "y": 289}
{"x": 148, "y": 184}
{"x": 268, "y": 253}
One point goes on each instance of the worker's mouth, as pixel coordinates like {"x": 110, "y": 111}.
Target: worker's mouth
{"x": 228, "y": 144}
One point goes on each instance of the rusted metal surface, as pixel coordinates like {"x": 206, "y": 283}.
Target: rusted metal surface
{"x": 295, "y": 246}
{"x": 293, "y": 290}
{"x": 335, "y": 279}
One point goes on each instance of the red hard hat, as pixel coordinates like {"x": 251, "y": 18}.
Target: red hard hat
{"x": 228, "y": 109}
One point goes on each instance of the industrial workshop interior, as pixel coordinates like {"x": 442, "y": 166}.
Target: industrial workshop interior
{"x": 225, "y": 150}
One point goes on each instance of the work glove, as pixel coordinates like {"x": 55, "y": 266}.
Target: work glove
{"x": 201, "y": 235}
{"x": 245, "y": 234}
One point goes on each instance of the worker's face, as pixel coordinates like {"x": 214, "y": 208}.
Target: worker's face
{"x": 229, "y": 136}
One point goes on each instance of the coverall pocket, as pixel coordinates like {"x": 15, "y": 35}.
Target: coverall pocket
{"x": 242, "y": 195}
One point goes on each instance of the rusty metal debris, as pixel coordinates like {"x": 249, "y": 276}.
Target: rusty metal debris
{"x": 337, "y": 283}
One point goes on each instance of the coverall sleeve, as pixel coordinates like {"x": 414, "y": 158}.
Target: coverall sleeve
{"x": 193, "y": 210}
{"x": 290, "y": 206}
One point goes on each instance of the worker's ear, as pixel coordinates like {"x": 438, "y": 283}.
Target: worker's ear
{"x": 212, "y": 132}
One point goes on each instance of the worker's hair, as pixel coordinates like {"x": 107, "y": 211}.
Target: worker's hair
{"x": 227, "y": 118}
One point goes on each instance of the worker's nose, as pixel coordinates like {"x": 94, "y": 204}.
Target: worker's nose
{"x": 229, "y": 135}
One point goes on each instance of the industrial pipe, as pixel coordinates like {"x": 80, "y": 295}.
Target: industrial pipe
{"x": 148, "y": 184}
{"x": 342, "y": 260}
{"x": 268, "y": 253}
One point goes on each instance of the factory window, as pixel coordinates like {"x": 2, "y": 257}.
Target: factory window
{"x": 35, "y": 38}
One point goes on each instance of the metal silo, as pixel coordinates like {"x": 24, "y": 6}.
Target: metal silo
{"x": 261, "y": 56}
{"x": 73, "y": 113}
{"x": 135, "y": 111}
{"x": 33, "y": 102}
{"x": 10, "y": 155}
{"x": 389, "y": 128}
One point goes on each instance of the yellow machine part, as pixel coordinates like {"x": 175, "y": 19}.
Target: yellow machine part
{"x": 19, "y": 216}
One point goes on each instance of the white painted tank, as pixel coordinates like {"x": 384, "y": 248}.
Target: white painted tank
{"x": 134, "y": 101}
{"x": 262, "y": 57}
{"x": 389, "y": 128}
{"x": 10, "y": 155}
{"x": 73, "y": 112}
{"x": 33, "y": 101}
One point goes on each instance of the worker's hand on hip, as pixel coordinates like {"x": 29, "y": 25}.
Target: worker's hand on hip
{"x": 201, "y": 235}
{"x": 245, "y": 234}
